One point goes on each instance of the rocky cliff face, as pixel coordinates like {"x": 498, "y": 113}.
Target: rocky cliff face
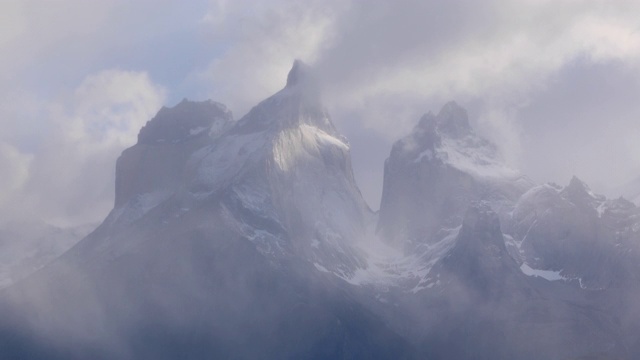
{"x": 434, "y": 174}
{"x": 479, "y": 258}
{"x": 153, "y": 169}
{"x": 582, "y": 236}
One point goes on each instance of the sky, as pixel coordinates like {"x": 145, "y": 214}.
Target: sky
{"x": 554, "y": 84}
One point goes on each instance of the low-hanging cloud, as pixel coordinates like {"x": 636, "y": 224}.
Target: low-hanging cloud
{"x": 68, "y": 178}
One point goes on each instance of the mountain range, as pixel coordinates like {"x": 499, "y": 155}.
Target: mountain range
{"x": 249, "y": 238}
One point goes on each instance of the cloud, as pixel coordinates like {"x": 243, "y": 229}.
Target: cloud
{"x": 15, "y": 172}
{"x": 262, "y": 40}
{"x": 585, "y": 123}
{"x": 500, "y": 51}
{"x": 496, "y": 58}
{"x": 12, "y": 21}
{"x": 70, "y": 177}
{"x": 384, "y": 63}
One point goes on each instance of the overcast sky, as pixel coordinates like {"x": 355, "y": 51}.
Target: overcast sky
{"x": 555, "y": 84}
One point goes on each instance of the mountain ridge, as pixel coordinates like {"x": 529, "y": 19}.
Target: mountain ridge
{"x": 250, "y": 238}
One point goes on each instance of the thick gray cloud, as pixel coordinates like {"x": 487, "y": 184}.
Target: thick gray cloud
{"x": 585, "y": 122}
{"x": 559, "y": 72}
{"x": 553, "y": 83}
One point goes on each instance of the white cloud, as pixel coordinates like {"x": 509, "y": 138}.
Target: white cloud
{"x": 109, "y": 108}
{"x": 263, "y": 40}
{"x": 506, "y": 54}
{"x": 15, "y": 172}
{"x": 71, "y": 173}
{"x": 12, "y": 21}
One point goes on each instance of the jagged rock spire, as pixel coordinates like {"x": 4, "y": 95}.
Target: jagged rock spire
{"x": 299, "y": 73}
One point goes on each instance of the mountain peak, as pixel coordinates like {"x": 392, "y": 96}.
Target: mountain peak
{"x": 300, "y": 102}
{"x": 185, "y": 120}
{"x": 480, "y": 258}
{"x": 299, "y": 73}
{"x": 427, "y": 122}
{"x": 578, "y": 187}
{"x": 578, "y": 192}
{"x": 453, "y": 120}
{"x": 156, "y": 162}
{"x": 576, "y": 183}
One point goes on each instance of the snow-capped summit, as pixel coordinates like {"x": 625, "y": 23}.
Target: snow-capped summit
{"x": 148, "y": 172}
{"x": 298, "y": 103}
{"x": 284, "y": 164}
{"x": 452, "y": 120}
{"x": 436, "y": 172}
{"x": 185, "y": 120}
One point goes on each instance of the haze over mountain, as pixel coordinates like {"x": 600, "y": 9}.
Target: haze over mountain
{"x": 552, "y": 85}
{"x": 250, "y": 238}
{"x": 26, "y": 247}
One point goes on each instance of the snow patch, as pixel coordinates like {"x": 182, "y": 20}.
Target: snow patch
{"x": 197, "y": 130}
{"x": 474, "y": 156}
{"x": 549, "y": 275}
{"x": 428, "y": 154}
{"x": 601, "y": 208}
{"x": 306, "y": 141}
{"x": 387, "y": 266}
{"x": 137, "y": 207}
{"x": 321, "y": 268}
{"x": 223, "y": 161}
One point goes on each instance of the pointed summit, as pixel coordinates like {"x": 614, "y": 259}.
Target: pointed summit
{"x": 433, "y": 174}
{"x": 578, "y": 184}
{"x": 299, "y": 73}
{"x": 453, "y": 120}
{"x": 427, "y": 123}
{"x": 479, "y": 258}
{"x": 299, "y": 102}
{"x": 579, "y": 193}
{"x": 578, "y": 189}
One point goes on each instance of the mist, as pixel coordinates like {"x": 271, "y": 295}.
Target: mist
{"x": 434, "y": 179}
